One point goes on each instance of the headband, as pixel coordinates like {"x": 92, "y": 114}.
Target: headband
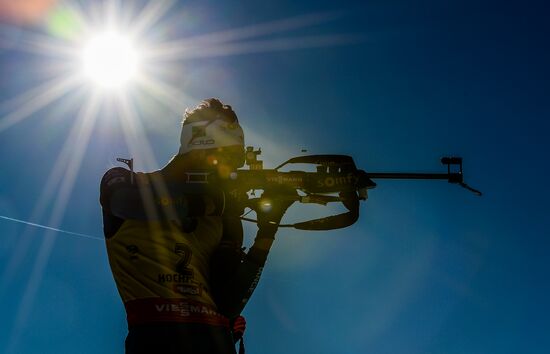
{"x": 210, "y": 135}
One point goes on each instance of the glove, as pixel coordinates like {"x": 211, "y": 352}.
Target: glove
{"x": 272, "y": 206}
{"x": 239, "y": 326}
{"x": 235, "y": 202}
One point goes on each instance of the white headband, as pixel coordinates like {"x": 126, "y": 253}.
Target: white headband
{"x": 209, "y": 135}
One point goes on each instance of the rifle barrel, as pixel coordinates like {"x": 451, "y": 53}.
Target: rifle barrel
{"x": 401, "y": 175}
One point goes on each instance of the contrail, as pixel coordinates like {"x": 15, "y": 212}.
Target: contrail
{"x": 51, "y": 228}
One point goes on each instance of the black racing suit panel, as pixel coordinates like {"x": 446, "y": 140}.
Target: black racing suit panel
{"x": 179, "y": 338}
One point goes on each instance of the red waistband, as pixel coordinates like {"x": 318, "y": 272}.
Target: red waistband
{"x": 150, "y": 310}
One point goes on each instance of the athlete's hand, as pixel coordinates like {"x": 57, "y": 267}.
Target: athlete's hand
{"x": 235, "y": 202}
{"x": 273, "y": 205}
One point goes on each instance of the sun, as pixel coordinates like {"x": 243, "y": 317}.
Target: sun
{"x": 110, "y": 59}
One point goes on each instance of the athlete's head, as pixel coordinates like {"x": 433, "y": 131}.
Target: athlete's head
{"x": 211, "y": 137}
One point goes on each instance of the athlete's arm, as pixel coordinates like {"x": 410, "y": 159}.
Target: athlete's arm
{"x": 236, "y": 274}
{"x": 126, "y": 196}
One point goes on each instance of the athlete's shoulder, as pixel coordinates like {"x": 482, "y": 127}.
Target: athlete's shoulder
{"x": 114, "y": 178}
{"x": 115, "y": 175}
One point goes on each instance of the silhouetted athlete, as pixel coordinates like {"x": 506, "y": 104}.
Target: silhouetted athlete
{"x": 175, "y": 248}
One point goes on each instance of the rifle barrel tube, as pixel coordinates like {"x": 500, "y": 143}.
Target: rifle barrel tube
{"x": 400, "y": 175}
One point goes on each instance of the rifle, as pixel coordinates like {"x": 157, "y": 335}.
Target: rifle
{"x": 335, "y": 174}
{"x": 336, "y": 180}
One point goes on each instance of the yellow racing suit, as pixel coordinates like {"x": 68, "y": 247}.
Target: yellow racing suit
{"x": 175, "y": 254}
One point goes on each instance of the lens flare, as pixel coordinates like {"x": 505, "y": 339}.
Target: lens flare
{"x": 265, "y": 205}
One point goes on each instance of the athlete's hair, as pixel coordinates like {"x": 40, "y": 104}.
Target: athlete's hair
{"x": 209, "y": 109}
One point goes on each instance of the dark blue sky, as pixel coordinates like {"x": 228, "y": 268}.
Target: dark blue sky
{"x": 429, "y": 267}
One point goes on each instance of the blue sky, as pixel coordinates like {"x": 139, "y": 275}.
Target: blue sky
{"x": 428, "y": 268}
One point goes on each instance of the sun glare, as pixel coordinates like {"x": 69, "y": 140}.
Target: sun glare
{"x": 110, "y": 60}
{"x": 86, "y": 39}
